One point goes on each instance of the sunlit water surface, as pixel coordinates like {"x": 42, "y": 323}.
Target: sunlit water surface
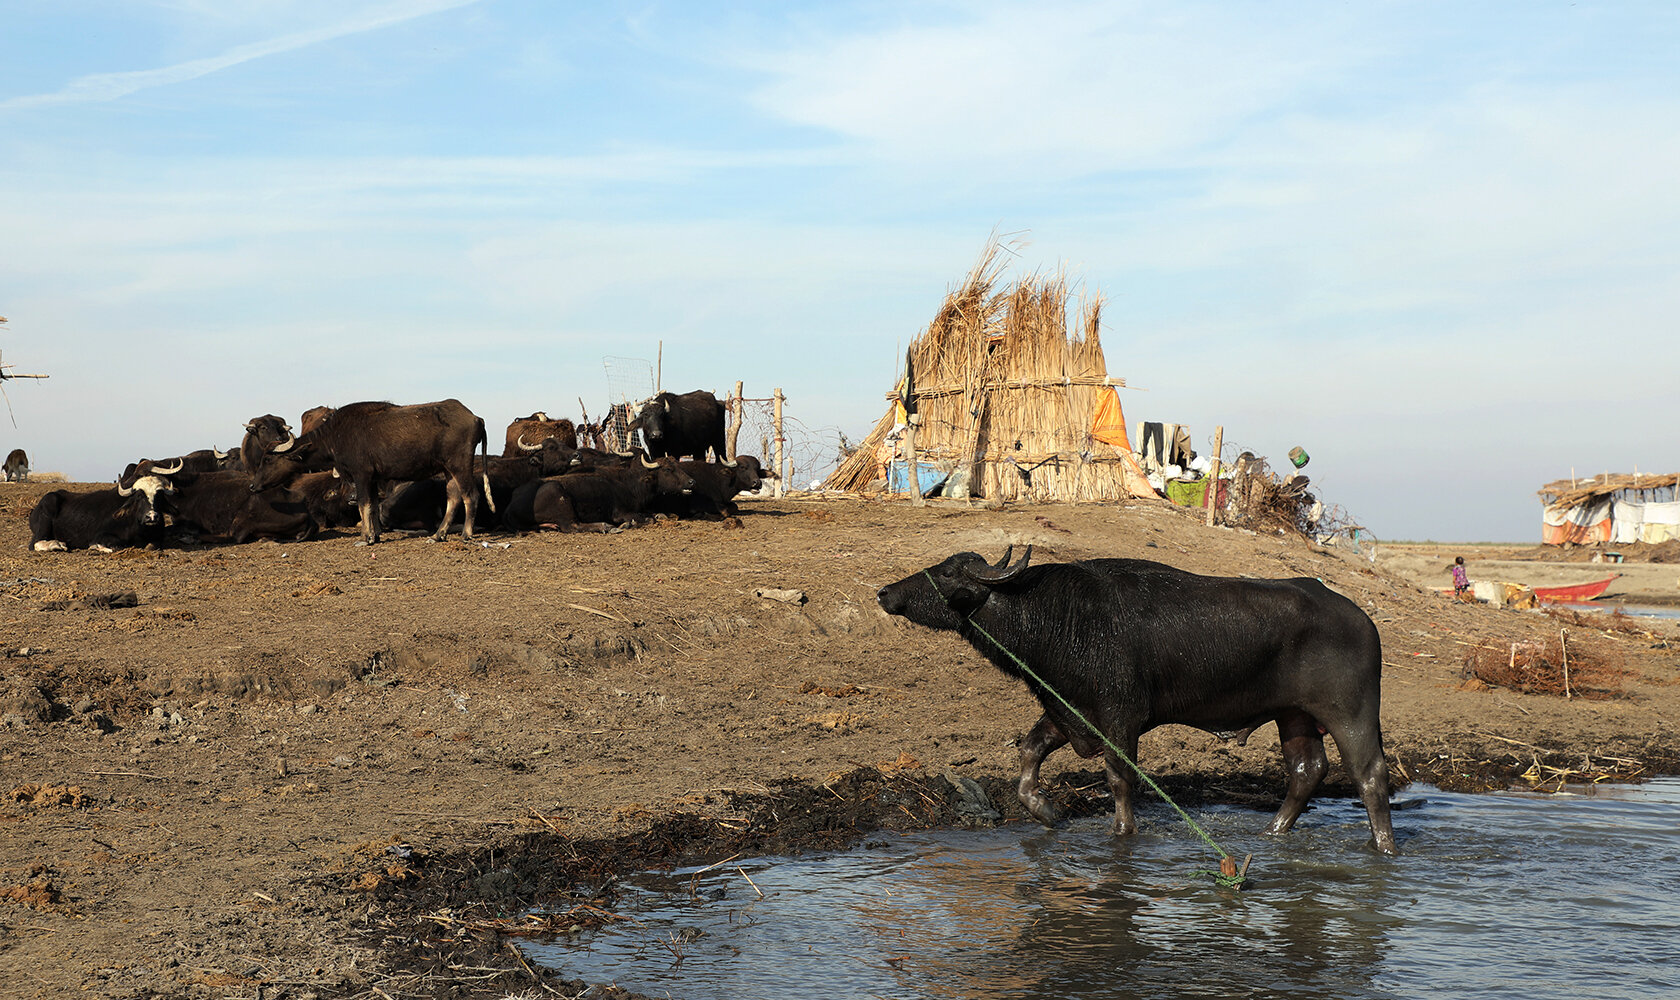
{"x": 1575, "y": 897}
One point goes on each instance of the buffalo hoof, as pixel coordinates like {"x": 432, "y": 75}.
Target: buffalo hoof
{"x": 1043, "y": 810}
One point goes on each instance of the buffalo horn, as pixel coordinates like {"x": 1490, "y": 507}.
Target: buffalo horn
{"x": 123, "y": 491}
{"x": 1000, "y": 573}
{"x": 158, "y": 470}
{"x": 285, "y": 445}
{"x": 520, "y": 441}
{"x": 219, "y": 454}
{"x": 647, "y": 464}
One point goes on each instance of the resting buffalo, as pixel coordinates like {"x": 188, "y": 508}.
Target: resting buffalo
{"x": 420, "y": 505}
{"x": 374, "y": 442}
{"x": 529, "y": 432}
{"x": 595, "y": 501}
{"x": 715, "y": 488}
{"x": 682, "y": 425}
{"x": 312, "y": 417}
{"x": 261, "y": 434}
{"x": 202, "y": 460}
{"x": 1134, "y": 644}
{"x": 103, "y": 520}
{"x": 222, "y": 505}
{"x": 17, "y": 466}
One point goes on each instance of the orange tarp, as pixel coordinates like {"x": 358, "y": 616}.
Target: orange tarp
{"x": 1108, "y": 424}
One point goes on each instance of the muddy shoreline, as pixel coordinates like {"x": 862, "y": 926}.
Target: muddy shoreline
{"x": 321, "y": 770}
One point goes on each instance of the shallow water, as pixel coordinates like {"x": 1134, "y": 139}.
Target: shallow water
{"x": 1540, "y": 897}
{"x": 1631, "y": 610}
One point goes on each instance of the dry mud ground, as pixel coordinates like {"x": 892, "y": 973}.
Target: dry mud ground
{"x": 318, "y": 770}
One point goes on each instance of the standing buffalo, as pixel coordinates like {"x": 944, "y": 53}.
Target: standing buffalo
{"x": 102, "y": 520}
{"x": 1134, "y": 644}
{"x": 530, "y": 432}
{"x": 374, "y": 442}
{"x": 17, "y": 466}
{"x": 682, "y": 425}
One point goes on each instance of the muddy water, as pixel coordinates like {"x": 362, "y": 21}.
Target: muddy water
{"x": 1568, "y": 897}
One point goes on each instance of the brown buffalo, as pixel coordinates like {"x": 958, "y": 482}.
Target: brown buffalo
{"x": 374, "y": 442}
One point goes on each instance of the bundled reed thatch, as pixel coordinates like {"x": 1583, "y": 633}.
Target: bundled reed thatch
{"x": 1007, "y": 397}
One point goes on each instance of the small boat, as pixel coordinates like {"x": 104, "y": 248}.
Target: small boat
{"x": 1575, "y": 592}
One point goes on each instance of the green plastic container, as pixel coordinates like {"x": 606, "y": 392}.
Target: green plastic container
{"x": 1299, "y": 456}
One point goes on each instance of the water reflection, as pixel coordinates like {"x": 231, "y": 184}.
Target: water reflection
{"x": 1495, "y": 896}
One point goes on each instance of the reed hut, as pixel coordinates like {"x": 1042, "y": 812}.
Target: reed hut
{"x": 1013, "y": 402}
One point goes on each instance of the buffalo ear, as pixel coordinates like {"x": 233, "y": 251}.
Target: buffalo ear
{"x": 1002, "y": 572}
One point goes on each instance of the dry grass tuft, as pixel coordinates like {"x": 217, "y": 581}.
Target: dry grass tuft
{"x": 1554, "y": 667}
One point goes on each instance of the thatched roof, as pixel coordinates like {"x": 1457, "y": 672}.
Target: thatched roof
{"x": 1007, "y": 395}
{"x": 1570, "y": 493}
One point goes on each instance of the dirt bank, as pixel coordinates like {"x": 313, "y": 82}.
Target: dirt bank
{"x": 319, "y": 769}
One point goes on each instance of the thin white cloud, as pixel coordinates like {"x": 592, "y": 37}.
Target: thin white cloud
{"x": 101, "y": 87}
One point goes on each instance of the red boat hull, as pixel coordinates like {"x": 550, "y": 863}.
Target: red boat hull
{"x": 1575, "y": 592}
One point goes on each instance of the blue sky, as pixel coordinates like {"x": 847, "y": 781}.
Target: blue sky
{"x": 1434, "y": 244}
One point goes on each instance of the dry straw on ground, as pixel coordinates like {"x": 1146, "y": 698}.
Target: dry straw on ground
{"x": 1559, "y": 666}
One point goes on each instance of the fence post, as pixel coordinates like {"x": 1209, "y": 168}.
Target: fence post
{"x": 1213, "y": 474}
{"x": 781, "y": 448}
{"x": 737, "y": 406}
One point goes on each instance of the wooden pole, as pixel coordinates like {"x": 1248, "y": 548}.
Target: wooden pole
{"x": 659, "y": 370}
{"x": 781, "y": 449}
{"x": 736, "y": 407}
{"x": 916, "y": 498}
{"x": 1213, "y": 473}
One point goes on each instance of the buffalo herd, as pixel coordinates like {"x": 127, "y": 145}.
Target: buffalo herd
{"x": 423, "y": 467}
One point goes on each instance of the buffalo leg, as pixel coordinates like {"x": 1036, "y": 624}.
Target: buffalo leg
{"x": 1360, "y": 743}
{"x": 369, "y": 507}
{"x": 453, "y": 494}
{"x": 1044, "y": 740}
{"x": 469, "y": 499}
{"x": 1303, "y": 761}
{"x": 1120, "y": 784}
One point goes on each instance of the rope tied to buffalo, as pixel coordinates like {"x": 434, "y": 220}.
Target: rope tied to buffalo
{"x": 1229, "y": 874}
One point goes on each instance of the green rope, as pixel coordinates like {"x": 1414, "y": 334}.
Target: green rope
{"x": 1233, "y": 881}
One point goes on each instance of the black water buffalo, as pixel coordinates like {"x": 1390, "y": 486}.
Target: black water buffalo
{"x": 715, "y": 489}
{"x": 261, "y": 434}
{"x": 682, "y": 425}
{"x": 375, "y": 442}
{"x": 17, "y": 466}
{"x": 103, "y": 520}
{"x": 551, "y": 458}
{"x": 193, "y": 462}
{"x": 420, "y": 505}
{"x": 595, "y": 501}
{"x": 528, "y": 432}
{"x": 222, "y": 505}
{"x": 326, "y": 498}
{"x": 1134, "y": 644}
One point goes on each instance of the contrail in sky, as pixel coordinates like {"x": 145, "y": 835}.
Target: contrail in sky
{"x": 111, "y": 86}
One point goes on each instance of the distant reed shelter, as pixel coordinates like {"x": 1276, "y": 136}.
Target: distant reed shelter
{"x": 1618, "y": 509}
{"x": 1002, "y": 399}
